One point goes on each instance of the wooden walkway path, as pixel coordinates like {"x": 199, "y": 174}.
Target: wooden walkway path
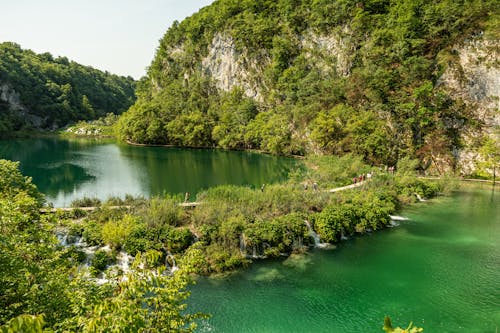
{"x": 182, "y": 204}
{"x": 90, "y": 209}
{"x": 343, "y": 188}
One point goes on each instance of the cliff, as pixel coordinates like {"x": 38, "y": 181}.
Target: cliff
{"x": 382, "y": 79}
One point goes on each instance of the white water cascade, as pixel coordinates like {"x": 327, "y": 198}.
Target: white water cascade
{"x": 419, "y": 198}
{"x": 315, "y": 236}
{"x": 395, "y": 219}
{"x": 170, "y": 262}
{"x": 243, "y": 245}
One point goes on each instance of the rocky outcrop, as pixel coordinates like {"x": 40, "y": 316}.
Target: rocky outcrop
{"x": 333, "y": 51}
{"x": 231, "y": 68}
{"x": 474, "y": 77}
{"x": 12, "y": 99}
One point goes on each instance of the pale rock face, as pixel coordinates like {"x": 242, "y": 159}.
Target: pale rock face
{"x": 10, "y": 96}
{"x": 323, "y": 48}
{"x": 475, "y": 78}
{"x": 230, "y": 67}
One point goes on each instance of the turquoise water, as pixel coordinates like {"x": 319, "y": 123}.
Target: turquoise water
{"x": 67, "y": 169}
{"x": 440, "y": 269}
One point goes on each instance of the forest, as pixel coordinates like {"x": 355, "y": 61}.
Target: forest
{"x": 375, "y": 93}
{"x": 49, "y": 93}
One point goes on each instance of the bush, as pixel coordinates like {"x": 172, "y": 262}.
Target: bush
{"x": 116, "y": 233}
{"x": 92, "y": 233}
{"x": 101, "y": 260}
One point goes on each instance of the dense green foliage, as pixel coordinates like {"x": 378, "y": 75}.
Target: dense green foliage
{"x": 53, "y": 92}
{"x": 374, "y": 93}
{"x": 234, "y": 224}
{"x": 42, "y": 284}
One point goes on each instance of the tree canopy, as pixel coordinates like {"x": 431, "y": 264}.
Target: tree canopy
{"x": 334, "y": 76}
{"x": 41, "y": 91}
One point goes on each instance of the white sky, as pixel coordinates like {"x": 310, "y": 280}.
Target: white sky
{"x": 119, "y": 36}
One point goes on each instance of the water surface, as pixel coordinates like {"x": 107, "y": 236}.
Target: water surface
{"x": 66, "y": 169}
{"x": 440, "y": 269}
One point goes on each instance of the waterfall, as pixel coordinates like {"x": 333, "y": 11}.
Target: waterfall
{"x": 315, "y": 236}
{"x": 62, "y": 238}
{"x": 419, "y": 198}
{"x": 398, "y": 218}
{"x": 254, "y": 251}
{"x": 243, "y": 245}
{"x": 123, "y": 262}
{"x": 170, "y": 262}
{"x": 395, "y": 219}
{"x": 343, "y": 236}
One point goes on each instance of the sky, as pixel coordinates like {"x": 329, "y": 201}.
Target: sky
{"x": 119, "y": 36}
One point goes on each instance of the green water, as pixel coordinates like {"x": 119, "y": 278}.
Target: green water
{"x": 66, "y": 169}
{"x": 440, "y": 269}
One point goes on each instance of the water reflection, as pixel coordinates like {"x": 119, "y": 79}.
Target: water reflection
{"x": 66, "y": 169}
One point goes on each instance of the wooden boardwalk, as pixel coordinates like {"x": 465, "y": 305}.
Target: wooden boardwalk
{"x": 91, "y": 209}
{"x": 182, "y": 204}
{"x": 343, "y": 188}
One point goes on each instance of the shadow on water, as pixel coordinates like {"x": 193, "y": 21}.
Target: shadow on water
{"x": 178, "y": 170}
{"x": 48, "y": 162}
{"x": 67, "y": 169}
{"x": 65, "y": 177}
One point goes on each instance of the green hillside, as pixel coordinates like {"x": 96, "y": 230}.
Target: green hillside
{"x": 300, "y": 76}
{"x": 43, "y": 92}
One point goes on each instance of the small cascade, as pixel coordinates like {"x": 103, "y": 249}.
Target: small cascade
{"x": 243, "y": 245}
{"x": 343, "y": 237}
{"x": 395, "y": 219}
{"x": 62, "y": 238}
{"x": 300, "y": 243}
{"x": 419, "y": 198}
{"x": 170, "y": 262}
{"x": 254, "y": 252}
{"x": 123, "y": 262}
{"x": 398, "y": 218}
{"x": 315, "y": 236}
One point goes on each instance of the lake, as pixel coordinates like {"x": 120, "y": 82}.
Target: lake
{"x": 440, "y": 269}
{"x": 67, "y": 169}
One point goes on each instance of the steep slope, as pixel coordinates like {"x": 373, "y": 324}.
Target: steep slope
{"x": 293, "y": 77}
{"x": 40, "y": 91}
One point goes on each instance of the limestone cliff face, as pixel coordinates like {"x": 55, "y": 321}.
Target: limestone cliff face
{"x": 231, "y": 68}
{"x": 474, "y": 77}
{"x": 12, "y": 99}
{"x": 334, "y": 51}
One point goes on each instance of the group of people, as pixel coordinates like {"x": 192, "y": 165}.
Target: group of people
{"x": 314, "y": 186}
{"x": 362, "y": 177}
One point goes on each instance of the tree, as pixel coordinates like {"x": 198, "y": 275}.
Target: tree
{"x": 490, "y": 150}
{"x": 37, "y": 276}
{"x": 146, "y": 300}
